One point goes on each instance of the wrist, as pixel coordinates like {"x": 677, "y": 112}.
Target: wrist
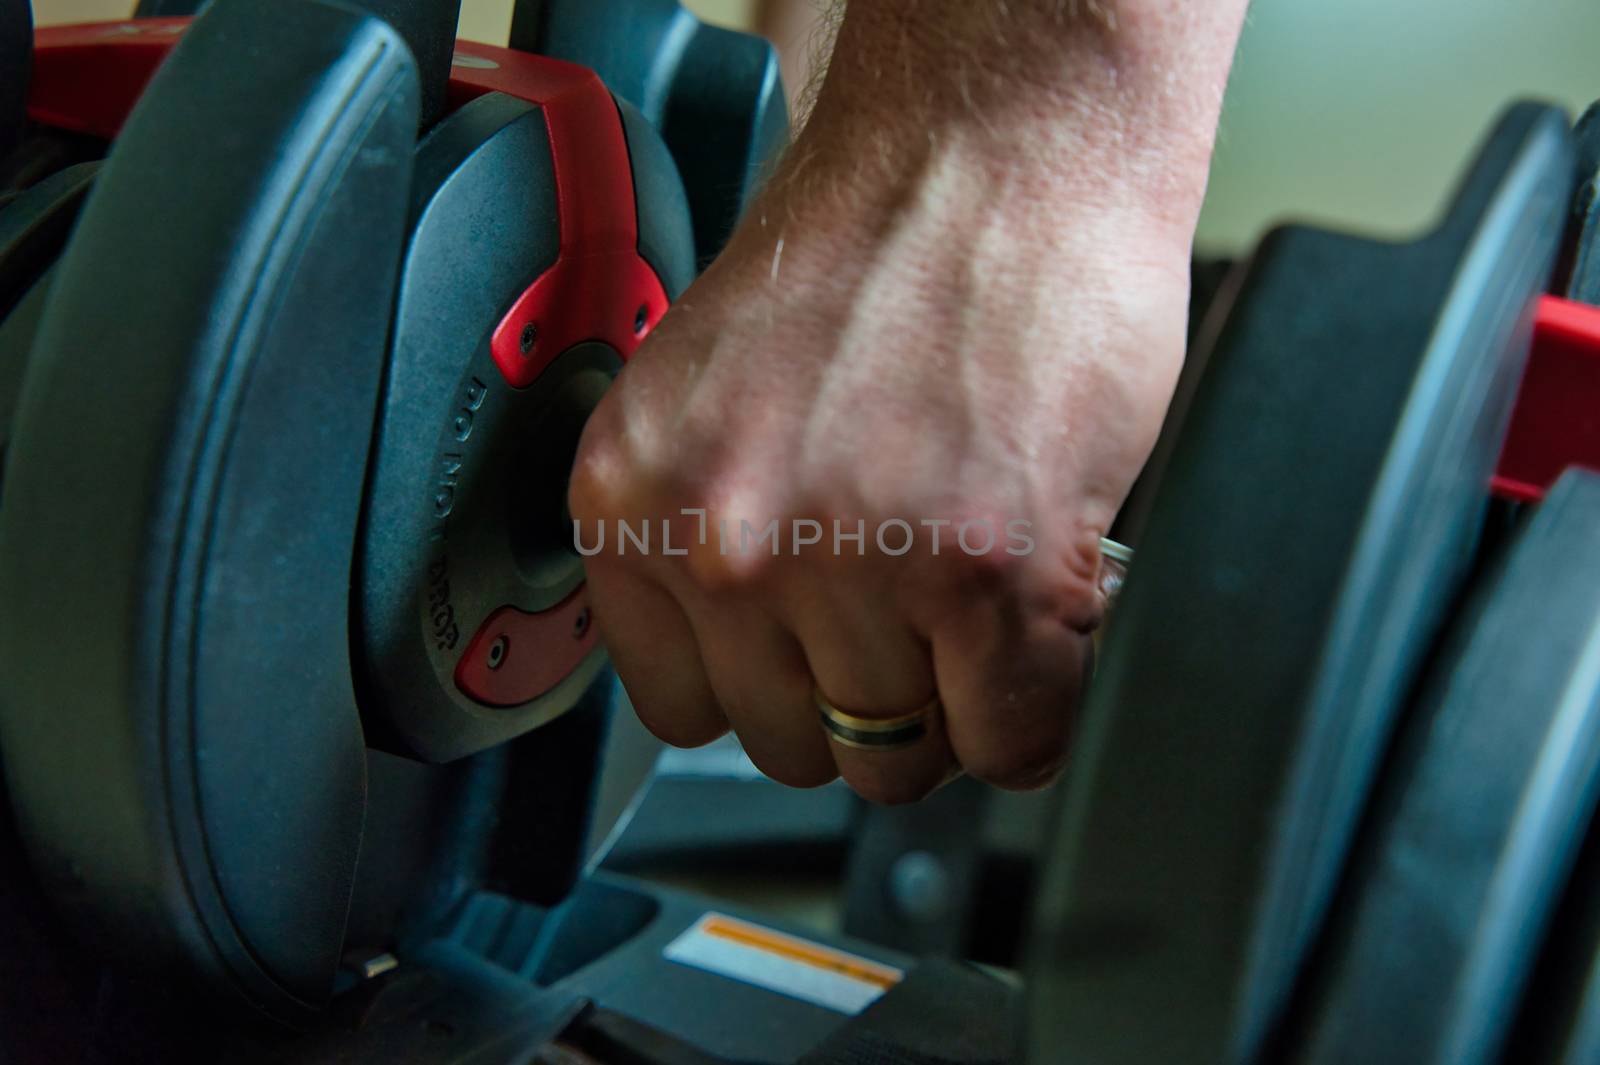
{"x": 1068, "y": 99}
{"x": 846, "y": 195}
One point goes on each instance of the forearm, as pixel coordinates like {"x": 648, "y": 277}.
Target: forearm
{"x": 1101, "y": 98}
{"x": 960, "y": 300}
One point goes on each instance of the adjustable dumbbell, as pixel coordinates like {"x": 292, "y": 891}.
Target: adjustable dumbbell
{"x": 302, "y": 718}
{"x": 1342, "y": 750}
{"x": 285, "y": 475}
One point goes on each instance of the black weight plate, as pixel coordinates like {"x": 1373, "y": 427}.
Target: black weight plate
{"x": 1559, "y": 1018}
{"x": 427, "y": 26}
{"x": 33, "y": 228}
{"x": 180, "y": 735}
{"x": 726, "y": 119}
{"x": 716, "y": 95}
{"x": 465, "y": 504}
{"x": 1314, "y": 521}
{"x": 1479, "y": 815}
{"x": 484, "y": 226}
{"x": 45, "y": 151}
{"x": 17, "y": 331}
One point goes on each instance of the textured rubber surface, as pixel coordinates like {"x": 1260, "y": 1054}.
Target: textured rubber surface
{"x": 180, "y": 735}
{"x": 33, "y": 229}
{"x": 465, "y": 548}
{"x": 1559, "y": 1019}
{"x": 1479, "y": 815}
{"x": 428, "y": 28}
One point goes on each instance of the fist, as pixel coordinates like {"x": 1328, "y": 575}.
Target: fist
{"x": 869, "y": 458}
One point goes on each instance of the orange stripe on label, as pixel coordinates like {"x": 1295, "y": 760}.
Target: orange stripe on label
{"x": 799, "y": 950}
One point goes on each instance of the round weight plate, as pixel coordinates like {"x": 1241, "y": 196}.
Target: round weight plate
{"x": 1479, "y": 814}
{"x": 33, "y": 228}
{"x": 180, "y": 735}
{"x": 1558, "y": 1019}
{"x": 472, "y": 625}
{"x": 1314, "y": 521}
{"x": 463, "y": 509}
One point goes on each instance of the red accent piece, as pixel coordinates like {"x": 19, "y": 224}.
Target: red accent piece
{"x": 1556, "y": 422}
{"x": 87, "y": 78}
{"x": 539, "y": 652}
{"x": 599, "y": 288}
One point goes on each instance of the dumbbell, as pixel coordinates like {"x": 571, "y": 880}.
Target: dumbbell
{"x": 285, "y": 475}
{"x": 716, "y": 95}
{"x": 1224, "y": 885}
{"x": 294, "y": 327}
{"x": 1449, "y": 940}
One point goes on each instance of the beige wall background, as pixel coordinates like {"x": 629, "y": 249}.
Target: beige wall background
{"x": 490, "y": 20}
{"x": 1362, "y": 112}
{"x": 1358, "y": 113}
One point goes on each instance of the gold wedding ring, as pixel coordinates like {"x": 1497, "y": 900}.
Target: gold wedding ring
{"x": 874, "y": 733}
{"x": 894, "y": 733}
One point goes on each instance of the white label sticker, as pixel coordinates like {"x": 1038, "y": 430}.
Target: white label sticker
{"x": 788, "y": 965}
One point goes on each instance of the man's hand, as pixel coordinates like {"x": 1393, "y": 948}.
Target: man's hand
{"x": 951, "y": 324}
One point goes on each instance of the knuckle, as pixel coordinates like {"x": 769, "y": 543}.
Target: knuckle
{"x": 1035, "y": 775}
{"x": 1034, "y": 763}
{"x": 1069, "y": 589}
{"x": 596, "y": 485}
{"x": 985, "y": 573}
{"x": 729, "y": 573}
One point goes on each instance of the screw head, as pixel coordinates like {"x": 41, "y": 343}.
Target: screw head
{"x": 641, "y": 320}
{"x": 580, "y": 624}
{"x": 529, "y": 337}
{"x": 497, "y": 652}
{"x": 920, "y": 887}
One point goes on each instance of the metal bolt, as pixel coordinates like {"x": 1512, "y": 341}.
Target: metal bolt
{"x": 497, "y": 652}
{"x": 375, "y": 966}
{"x": 530, "y": 337}
{"x": 920, "y": 886}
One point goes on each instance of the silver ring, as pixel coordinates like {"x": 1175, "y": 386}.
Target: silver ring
{"x": 1116, "y": 552}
